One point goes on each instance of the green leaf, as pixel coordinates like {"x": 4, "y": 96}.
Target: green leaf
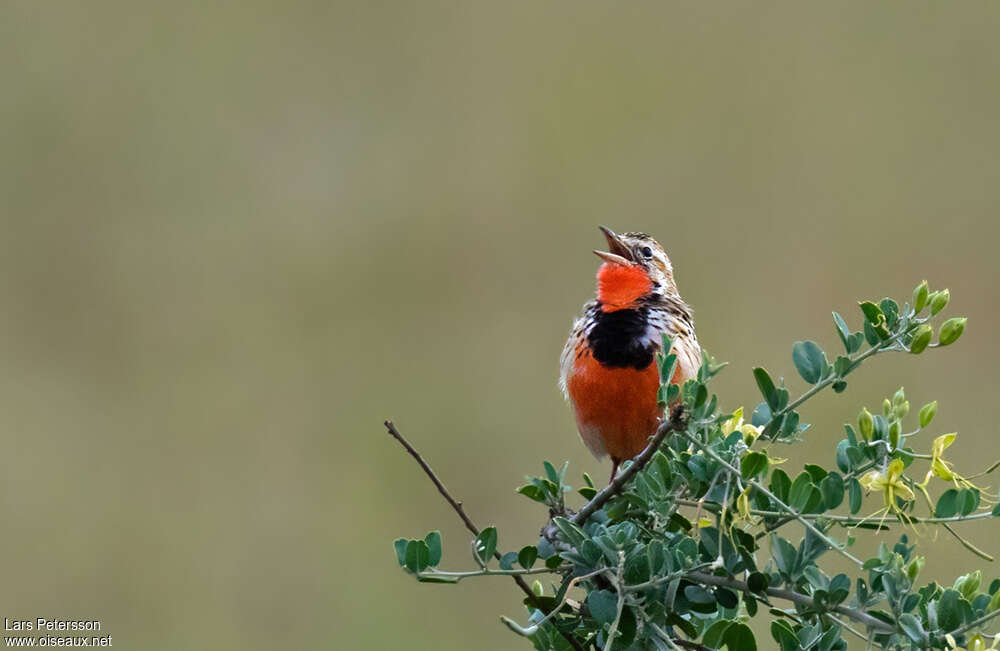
{"x": 550, "y": 472}
{"x": 870, "y": 335}
{"x": 667, "y": 367}
{"x": 400, "y": 546}
{"x": 486, "y": 544}
{"x": 726, "y": 598}
{"x": 507, "y": 561}
{"x": 588, "y": 492}
{"x": 842, "y": 329}
{"x": 949, "y": 609}
{"x": 433, "y": 540}
{"x": 714, "y": 635}
{"x": 843, "y": 460}
{"x": 799, "y": 495}
{"x": 854, "y": 342}
{"x": 698, "y": 595}
{"x": 817, "y": 473}
{"x": 752, "y": 464}
{"x": 527, "y": 556}
{"x": 784, "y": 636}
{"x": 417, "y": 556}
{"x": 767, "y": 389}
{"x": 968, "y": 501}
{"x": 780, "y": 484}
{"x": 532, "y": 492}
{"x": 757, "y": 582}
{"x": 947, "y": 504}
{"x": 890, "y": 309}
{"x": 810, "y": 361}
{"x": 784, "y": 555}
{"x": 761, "y": 415}
{"x": 832, "y": 488}
{"x": 603, "y": 606}
{"x": 994, "y": 603}
{"x": 789, "y": 425}
{"x": 872, "y": 312}
{"x": 570, "y": 531}
{"x": 739, "y": 636}
{"x": 854, "y": 491}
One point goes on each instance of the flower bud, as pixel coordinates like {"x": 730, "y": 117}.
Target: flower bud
{"x": 939, "y": 300}
{"x": 538, "y": 589}
{"x": 913, "y": 568}
{"x": 921, "y": 337}
{"x": 894, "y": 431}
{"x": 866, "y": 424}
{"x": 886, "y": 407}
{"x": 927, "y": 413}
{"x": 898, "y": 397}
{"x": 920, "y": 294}
{"x": 900, "y": 411}
{"x": 968, "y": 584}
{"x": 951, "y": 331}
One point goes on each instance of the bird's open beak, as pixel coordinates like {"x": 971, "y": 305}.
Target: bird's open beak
{"x": 617, "y": 252}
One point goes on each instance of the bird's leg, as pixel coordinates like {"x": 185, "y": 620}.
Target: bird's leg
{"x": 614, "y": 468}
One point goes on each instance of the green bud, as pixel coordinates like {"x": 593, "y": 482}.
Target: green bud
{"x": 866, "y": 424}
{"x": 939, "y": 300}
{"x": 921, "y": 337}
{"x": 968, "y": 584}
{"x": 927, "y": 413}
{"x": 900, "y": 411}
{"x": 951, "y": 330}
{"x": 913, "y": 568}
{"x": 920, "y": 297}
{"x": 898, "y": 397}
{"x": 538, "y": 589}
{"x": 886, "y": 407}
{"x": 894, "y": 431}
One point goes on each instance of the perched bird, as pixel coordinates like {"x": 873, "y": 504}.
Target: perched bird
{"x": 607, "y": 368}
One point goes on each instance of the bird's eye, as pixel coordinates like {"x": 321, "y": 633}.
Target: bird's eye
{"x": 646, "y": 252}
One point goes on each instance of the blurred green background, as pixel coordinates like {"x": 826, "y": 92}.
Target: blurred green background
{"x": 236, "y": 237}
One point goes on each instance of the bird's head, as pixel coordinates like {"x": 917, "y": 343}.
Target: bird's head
{"x": 635, "y": 267}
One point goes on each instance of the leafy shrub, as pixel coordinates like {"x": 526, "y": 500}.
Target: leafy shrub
{"x": 672, "y": 554}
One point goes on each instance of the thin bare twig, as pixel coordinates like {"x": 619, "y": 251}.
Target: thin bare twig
{"x": 673, "y": 424}
{"x": 469, "y": 524}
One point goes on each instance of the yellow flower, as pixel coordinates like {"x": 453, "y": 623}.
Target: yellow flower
{"x": 736, "y": 424}
{"x": 940, "y": 467}
{"x": 890, "y": 483}
{"x": 743, "y": 504}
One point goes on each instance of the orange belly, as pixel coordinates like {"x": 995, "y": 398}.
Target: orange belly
{"x": 615, "y": 407}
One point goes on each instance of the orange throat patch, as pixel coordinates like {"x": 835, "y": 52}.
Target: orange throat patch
{"x": 620, "y": 286}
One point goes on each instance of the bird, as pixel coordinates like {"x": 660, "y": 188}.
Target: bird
{"x": 607, "y": 369}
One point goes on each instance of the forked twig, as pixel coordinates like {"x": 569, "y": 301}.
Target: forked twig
{"x": 469, "y": 524}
